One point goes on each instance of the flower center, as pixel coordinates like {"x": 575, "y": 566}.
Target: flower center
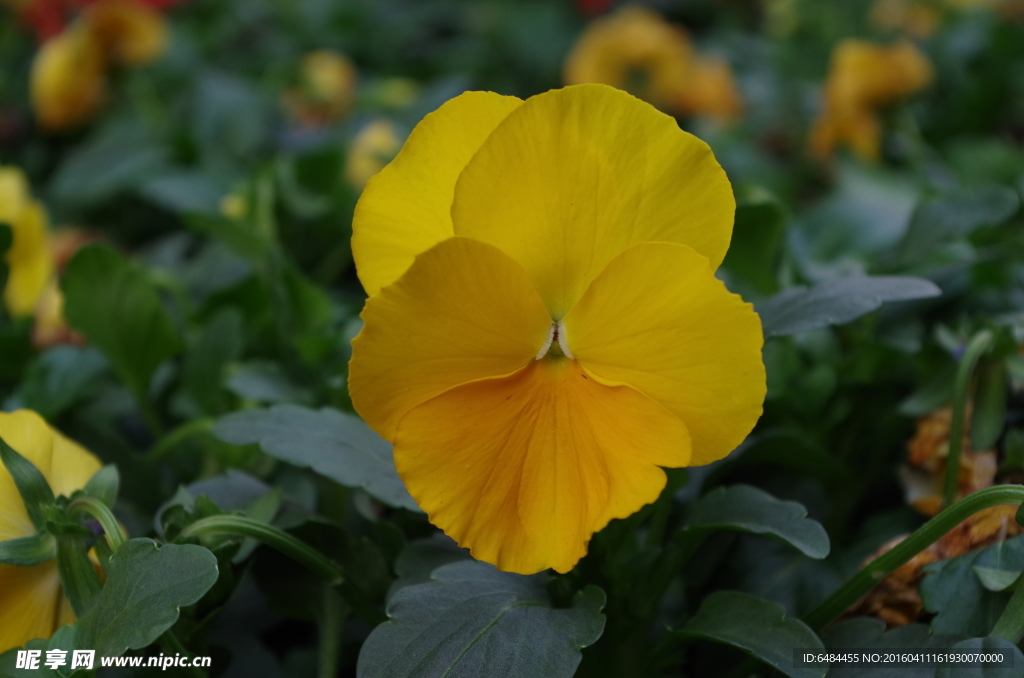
{"x": 556, "y": 343}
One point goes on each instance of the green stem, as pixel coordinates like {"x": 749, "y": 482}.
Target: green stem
{"x": 861, "y": 583}
{"x": 979, "y": 343}
{"x": 1011, "y": 623}
{"x": 98, "y": 510}
{"x": 333, "y": 616}
{"x": 312, "y": 559}
{"x": 178, "y": 436}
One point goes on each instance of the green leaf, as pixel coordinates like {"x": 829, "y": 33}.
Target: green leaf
{"x": 956, "y": 213}
{"x": 799, "y": 309}
{"x": 996, "y": 579}
{"x": 186, "y": 191}
{"x": 952, "y": 588}
{"x": 104, "y": 485}
{"x": 62, "y": 639}
{"x": 263, "y": 381}
{"x": 758, "y": 627}
{"x": 145, "y": 588}
{"x": 473, "y": 621}
{"x": 6, "y": 238}
{"x": 32, "y": 486}
{"x": 989, "y": 415}
{"x": 869, "y": 633}
{"x": 748, "y": 509}
{"x": 757, "y": 237}
{"x": 112, "y": 302}
{"x": 28, "y": 551}
{"x": 332, "y": 443}
{"x": 59, "y": 378}
{"x": 219, "y": 344}
{"x": 986, "y": 645}
{"x": 418, "y": 560}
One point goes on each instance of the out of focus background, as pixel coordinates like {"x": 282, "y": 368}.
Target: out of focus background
{"x": 215, "y": 149}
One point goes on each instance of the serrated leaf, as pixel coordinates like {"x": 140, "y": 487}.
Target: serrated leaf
{"x": 111, "y": 301}
{"x": 749, "y": 509}
{"x": 758, "y": 627}
{"x": 869, "y": 633}
{"x": 146, "y": 587}
{"x": 472, "y": 620}
{"x": 332, "y": 443}
{"x": 799, "y": 309}
{"x": 985, "y": 645}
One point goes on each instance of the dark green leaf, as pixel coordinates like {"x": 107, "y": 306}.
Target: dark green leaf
{"x": 473, "y": 621}
{"x": 145, "y": 588}
{"x": 263, "y": 381}
{"x": 186, "y": 191}
{"x": 219, "y": 344}
{"x": 985, "y": 645}
{"x": 748, "y": 509}
{"x": 835, "y": 302}
{"x": 758, "y": 627}
{"x": 956, "y": 213}
{"x": 757, "y": 235}
{"x": 337, "y": 445}
{"x": 113, "y": 303}
{"x": 62, "y": 639}
{"x": 6, "y": 238}
{"x": 869, "y": 633}
{"x": 61, "y": 377}
{"x": 418, "y": 560}
{"x": 32, "y": 486}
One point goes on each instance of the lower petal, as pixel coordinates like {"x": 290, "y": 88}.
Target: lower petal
{"x": 29, "y": 603}
{"x": 523, "y": 469}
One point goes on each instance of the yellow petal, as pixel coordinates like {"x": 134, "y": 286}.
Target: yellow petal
{"x": 404, "y": 209}
{"x": 29, "y": 603}
{"x": 575, "y": 176}
{"x": 68, "y": 80}
{"x": 522, "y": 470}
{"x": 29, "y": 261}
{"x": 30, "y": 436}
{"x": 658, "y": 319}
{"x": 72, "y": 467}
{"x": 463, "y": 311}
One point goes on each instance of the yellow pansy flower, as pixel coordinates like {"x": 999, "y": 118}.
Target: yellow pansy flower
{"x": 29, "y": 262}
{"x": 371, "y": 149}
{"x": 863, "y": 77}
{"x": 544, "y": 329}
{"x": 68, "y": 79}
{"x": 918, "y": 18}
{"x": 32, "y": 604}
{"x": 636, "y": 50}
{"x": 327, "y": 88}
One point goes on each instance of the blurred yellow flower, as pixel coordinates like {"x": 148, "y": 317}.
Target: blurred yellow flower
{"x": 32, "y": 604}
{"x": 69, "y": 72}
{"x": 49, "y": 325}
{"x": 28, "y": 259}
{"x": 636, "y": 50}
{"x": 544, "y": 329}
{"x": 863, "y": 77}
{"x": 68, "y": 79}
{"x": 371, "y": 149}
{"x": 131, "y": 33}
{"x": 326, "y": 91}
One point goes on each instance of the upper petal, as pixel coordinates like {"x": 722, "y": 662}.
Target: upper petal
{"x": 523, "y": 469}
{"x": 574, "y": 176}
{"x": 657, "y": 319}
{"x": 463, "y": 311}
{"x": 405, "y": 209}
{"x": 72, "y": 467}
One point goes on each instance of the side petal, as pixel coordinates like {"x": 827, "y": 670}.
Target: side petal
{"x": 658, "y": 319}
{"x": 524, "y": 469}
{"x": 405, "y": 208}
{"x": 32, "y": 438}
{"x": 29, "y": 600}
{"x": 574, "y": 176}
{"x": 463, "y": 311}
{"x": 73, "y": 466}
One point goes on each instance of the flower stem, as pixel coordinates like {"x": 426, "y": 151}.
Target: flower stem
{"x": 978, "y": 344}
{"x": 331, "y": 621}
{"x": 929, "y": 533}
{"x": 101, "y": 512}
{"x": 295, "y": 549}
{"x": 1011, "y": 623}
